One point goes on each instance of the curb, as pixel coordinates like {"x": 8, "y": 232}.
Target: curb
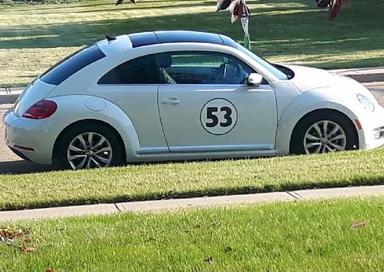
{"x": 9, "y": 98}
{"x": 363, "y": 75}
{"x": 194, "y": 203}
{"x": 9, "y": 95}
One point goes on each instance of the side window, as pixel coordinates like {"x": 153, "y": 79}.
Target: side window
{"x": 142, "y": 70}
{"x": 202, "y": 68}
{"x": 72, "y": 64}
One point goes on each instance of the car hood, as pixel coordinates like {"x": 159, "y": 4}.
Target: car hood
{"x": 307, "y": 78}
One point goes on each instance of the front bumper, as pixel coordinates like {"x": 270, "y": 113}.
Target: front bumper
{"x": 29, "y": 139}
{"x": 372, "y": 133}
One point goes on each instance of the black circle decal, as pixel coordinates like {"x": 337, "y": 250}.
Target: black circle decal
{"x": 218, "y": 116}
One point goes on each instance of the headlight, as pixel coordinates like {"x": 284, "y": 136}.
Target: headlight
{"x": 365, "y": 102}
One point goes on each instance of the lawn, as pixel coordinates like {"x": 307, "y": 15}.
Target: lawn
{"x": 33, "y": 37}
{"x": 343, "y": 235}
{"x": 169, "y": 180}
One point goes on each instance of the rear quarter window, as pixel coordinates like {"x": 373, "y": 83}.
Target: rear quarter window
{"x": 72, "y": 64}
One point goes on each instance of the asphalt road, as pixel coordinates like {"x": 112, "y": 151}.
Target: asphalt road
{"x": 11, "y": 164}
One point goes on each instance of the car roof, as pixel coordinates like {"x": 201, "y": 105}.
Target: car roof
{"x": 178, "y": 36}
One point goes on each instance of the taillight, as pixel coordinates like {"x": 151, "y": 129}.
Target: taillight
{"x": 41, "y": 110}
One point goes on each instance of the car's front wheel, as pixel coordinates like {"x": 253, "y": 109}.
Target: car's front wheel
{"x": 323, "y": 132}
{"x": 89, "y": 146}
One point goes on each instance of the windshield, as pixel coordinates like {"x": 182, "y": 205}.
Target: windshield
{"x": 276, "y": 72}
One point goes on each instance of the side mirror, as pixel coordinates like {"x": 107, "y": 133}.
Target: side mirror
{"x": 254, "y": 79}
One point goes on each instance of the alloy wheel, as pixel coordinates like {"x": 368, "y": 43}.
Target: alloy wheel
{"x": 324, "y": 136}
{"x": 89, "y": 150}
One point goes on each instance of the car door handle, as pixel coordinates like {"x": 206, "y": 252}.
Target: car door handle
{"x": 170, "y": 101}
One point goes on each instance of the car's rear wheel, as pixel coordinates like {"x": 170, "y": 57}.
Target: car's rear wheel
{"x": 89, "y": 146}
{"x": 323, "y": 132}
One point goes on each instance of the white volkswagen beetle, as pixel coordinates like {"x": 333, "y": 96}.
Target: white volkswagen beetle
{"x": 180, "y": 95}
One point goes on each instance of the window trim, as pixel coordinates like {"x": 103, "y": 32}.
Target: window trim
{"x": 181, "y": 52}
{"x": 177, "y": 52}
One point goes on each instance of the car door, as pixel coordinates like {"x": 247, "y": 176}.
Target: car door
{"x": 207, "y": 106}
{"x": 133, "y": 87}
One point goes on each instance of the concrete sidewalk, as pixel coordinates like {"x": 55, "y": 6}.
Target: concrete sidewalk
{"x": 201, "y": 202}
{"x": 363, "y": 75}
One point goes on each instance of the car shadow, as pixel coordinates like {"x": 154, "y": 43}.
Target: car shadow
{"x": 23, "y": 167}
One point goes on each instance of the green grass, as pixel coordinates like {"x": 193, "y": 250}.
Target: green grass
{"x": 305, "y": 236}
{"x": 157, "y": 181}
{"x": 33, "y": 37}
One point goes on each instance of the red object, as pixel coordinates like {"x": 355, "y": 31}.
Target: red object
{"x": 335, "y": 6}
{"x": 41, "y": 110}
{"x": 238, "y": 11}
{"x": 334, "y": 9}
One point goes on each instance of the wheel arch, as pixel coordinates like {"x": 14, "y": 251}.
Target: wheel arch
{"x": 299, "y": 110}
{"x": 110, "y": 115}
{"x": 325, "y": 111}
{"x": 89, "y": 121}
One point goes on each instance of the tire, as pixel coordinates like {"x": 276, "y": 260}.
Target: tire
{"x": 88, "y": 145}
{"x": 323, "y": 132}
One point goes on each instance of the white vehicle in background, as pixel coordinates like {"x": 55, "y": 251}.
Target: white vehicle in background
{"x": 181, "y": 95}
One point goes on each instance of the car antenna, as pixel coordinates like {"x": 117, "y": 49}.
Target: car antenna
{"x": 109, "y": 38}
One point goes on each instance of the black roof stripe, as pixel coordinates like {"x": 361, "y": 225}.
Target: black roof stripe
{"x": 149, "y": 38}
{"x": 142, "y": 39}
{"x": 228, "y": 41}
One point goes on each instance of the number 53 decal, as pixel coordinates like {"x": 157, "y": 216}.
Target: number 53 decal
{"x": 213, "y": 112}
{"x": 218, "y": 116}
